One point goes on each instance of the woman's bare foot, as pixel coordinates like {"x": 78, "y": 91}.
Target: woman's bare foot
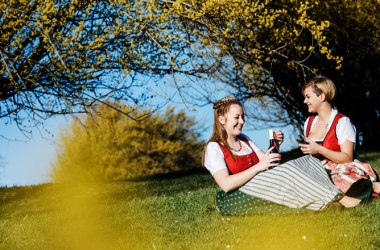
{"x": 376, "y": 187}
{"x": 349, "y": 201}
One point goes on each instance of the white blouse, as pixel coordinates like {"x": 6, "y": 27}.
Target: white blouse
{"x": 344, "y": 128}
{"x": 214, "y": 158}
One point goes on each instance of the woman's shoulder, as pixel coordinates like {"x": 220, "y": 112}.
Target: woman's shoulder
{"x": 213, "y": 145}
{"x": 213, "y": 149}
{"x": 342, "y": 118}
{"x": 345, "y": 121}
{"x": 339, "y": 115}
{"x": 309, "y": 119}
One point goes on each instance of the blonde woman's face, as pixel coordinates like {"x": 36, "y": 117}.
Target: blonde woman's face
{"x": 233, "y": 120}
{"x": 312, "y": 101}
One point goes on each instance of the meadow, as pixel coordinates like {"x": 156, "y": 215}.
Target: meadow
{"x": 172, "y": 211}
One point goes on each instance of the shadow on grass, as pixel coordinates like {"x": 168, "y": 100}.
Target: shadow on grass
{"x": 8, "y": 194}
{"x": 163, "y": 184}
{"x": 134, "y": 188}
{"x": 173, "y": 175}
{"x": 369, "y": 156}
{"x": 150, "y": 186}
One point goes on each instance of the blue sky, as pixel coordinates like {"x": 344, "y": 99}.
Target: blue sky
{"x": 28, "y": 162}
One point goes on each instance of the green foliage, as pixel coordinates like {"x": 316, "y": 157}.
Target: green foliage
{"x": 58, "y": 57}
{"x": 55, "y": 55}
{"x": 108, "y": 145}
{"x": 355, "y": 33}
{"x": 171, "y": 211}
{"x": 270, "y": 48}
{"x": 256, "y": 31}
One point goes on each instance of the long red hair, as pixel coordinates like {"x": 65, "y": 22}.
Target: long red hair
{"x": 219, "y": 134}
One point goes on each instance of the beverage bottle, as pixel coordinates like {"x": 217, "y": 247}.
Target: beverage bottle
{"x": 273, "y": 142}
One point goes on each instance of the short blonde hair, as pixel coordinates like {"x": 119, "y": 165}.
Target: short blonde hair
{"x": 321, "y": 84}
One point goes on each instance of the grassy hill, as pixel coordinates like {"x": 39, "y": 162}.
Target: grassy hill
{"x": 175, "y": 211}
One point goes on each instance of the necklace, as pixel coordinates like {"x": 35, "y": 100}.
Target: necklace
{"x": 240, "y": 147}
{"x": 326, "y": 125}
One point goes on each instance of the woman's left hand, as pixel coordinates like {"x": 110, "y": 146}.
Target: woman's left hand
{"x": 279, "y": 136}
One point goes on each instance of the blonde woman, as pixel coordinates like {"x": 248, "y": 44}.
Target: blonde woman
{"x": 330, "y": 137}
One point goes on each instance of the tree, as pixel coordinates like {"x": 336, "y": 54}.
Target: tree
{"x": 355, "y": 33}
{"x": 253, "y": 40}
{"x": 107, "y": 145}
{"x": 62, "y": 57}
{"x": 273, "y": 47}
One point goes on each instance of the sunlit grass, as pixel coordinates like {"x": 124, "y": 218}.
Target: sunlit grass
{"x": 168, "y": 212}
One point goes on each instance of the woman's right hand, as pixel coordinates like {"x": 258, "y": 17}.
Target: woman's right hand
{"x": 310, "y": 147}
{"x": 269, "y": 160}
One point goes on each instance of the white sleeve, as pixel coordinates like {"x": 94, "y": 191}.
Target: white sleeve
{"x": 214, "y": 158}
{"x": 345, "y": 130}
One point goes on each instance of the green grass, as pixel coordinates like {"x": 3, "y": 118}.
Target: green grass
{"x": 175, "y": 211}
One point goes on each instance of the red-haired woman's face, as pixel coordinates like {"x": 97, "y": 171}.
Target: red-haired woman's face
{"x": 233, "y": 120}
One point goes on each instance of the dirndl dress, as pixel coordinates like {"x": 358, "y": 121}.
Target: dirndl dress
{"x": 353, "y": 178}
{"x": 299, "y": 183}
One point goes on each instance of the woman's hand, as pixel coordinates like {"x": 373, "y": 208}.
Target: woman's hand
{"x": 279, "y": 136}
{"x": 229, "y": 182}
{"x": 268, "y": 160}
{"x": 346, "y": 153}
{"x": 310, "y": 147}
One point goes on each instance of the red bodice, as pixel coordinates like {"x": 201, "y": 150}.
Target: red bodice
{"x": 331, "y": 140}
{"x": 241, "y": 162}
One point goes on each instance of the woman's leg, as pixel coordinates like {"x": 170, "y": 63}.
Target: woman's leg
{"x": 349, "y": 202}
{"x": 299, "y": 183}
{"x": 376, "y": 187}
